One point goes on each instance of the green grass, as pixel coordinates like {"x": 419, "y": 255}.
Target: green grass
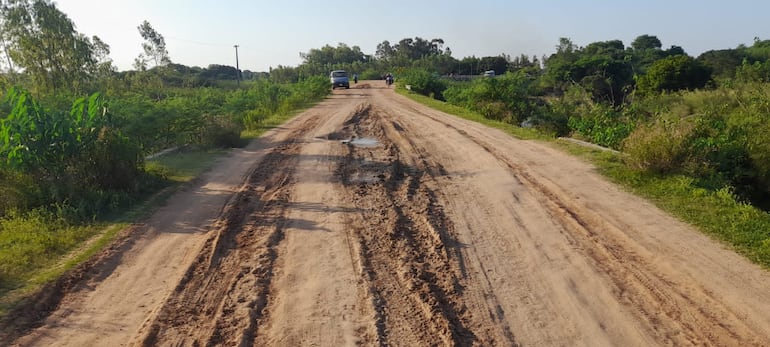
{"x": 38, "y": 247}
{"x": 716, "y": 213}
{"x": 519, "y": 132}
{"x": 42, "y": 268}
{"x": 184, "y": 165}
{"x": 275, "y": 121}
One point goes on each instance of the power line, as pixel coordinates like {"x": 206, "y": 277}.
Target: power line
{"x": 198, "y": 42}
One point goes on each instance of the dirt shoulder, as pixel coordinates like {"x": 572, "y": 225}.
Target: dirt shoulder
{"x": 373, "y": 220}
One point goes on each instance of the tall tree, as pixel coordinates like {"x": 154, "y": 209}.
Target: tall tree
{"x": 418, "y": 48}
{"x": 101, "y": 54}
{"x": 43, "y": 41}
{"x": 154, "y": 46}
{"x": 329, "y": 56}
{"x": 603, "y": 68}
{"x": 384, "y": 50}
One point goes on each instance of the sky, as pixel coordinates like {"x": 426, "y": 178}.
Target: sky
{"x": 274, "y": 32}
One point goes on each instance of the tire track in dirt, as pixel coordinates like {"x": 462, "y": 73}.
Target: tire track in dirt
{"x": 316, "y": 297}
{"x": 414, "y": 278}
{"x": 677, "y": 314}
{"x": 441, "y": 233}
{"x": 486, "y": 300}
{"x": 221, "y": 298}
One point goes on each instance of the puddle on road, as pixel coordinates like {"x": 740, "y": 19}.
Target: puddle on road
{"x": 362, "y": 142}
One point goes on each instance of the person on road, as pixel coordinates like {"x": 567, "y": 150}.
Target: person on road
{"x": 355, "y": 78}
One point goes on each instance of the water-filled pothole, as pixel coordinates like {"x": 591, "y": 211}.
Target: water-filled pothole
{"x": 362, "y": 142}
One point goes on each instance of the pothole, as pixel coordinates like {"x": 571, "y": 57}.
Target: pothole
{"x": 366, "y": 142}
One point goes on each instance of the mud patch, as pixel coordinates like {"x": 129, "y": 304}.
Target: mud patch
{"x": 221, "y": 299}
{"x": 414, "y": 281}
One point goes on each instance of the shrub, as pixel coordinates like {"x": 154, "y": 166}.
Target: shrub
{"x": 673, "y": 73}
{"x": 76, "y": 158}
{"x": 506, "y": 98}
{"x": 593, "y": 121}
{"x": 222, "y": 131}
{"x": 660, "y": 147}
{"x": 719, "y": 137}
{"x": 370, "y": 74}
{"x": 602, "y": 125}
{"x": 424, "y": 82}
{"x": 17, "y": 190}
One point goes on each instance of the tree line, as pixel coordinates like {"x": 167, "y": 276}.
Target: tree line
{"x": 704, "y": 117}
{"x": 74, "y": 131}
{"x": 595, "y": 92}
{"x": 670, "y": 112}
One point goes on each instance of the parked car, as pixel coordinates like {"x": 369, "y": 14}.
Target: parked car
{"x": 339, "y": 78}
{"x": 489, "y": 73}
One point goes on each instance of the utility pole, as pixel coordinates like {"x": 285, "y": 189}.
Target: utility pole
{"x": 237, "y": 68}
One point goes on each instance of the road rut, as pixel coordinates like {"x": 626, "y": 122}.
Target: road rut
{"x": 370, "y": 220}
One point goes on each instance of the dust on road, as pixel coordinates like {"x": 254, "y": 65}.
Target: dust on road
{"x": 433, "y": 231}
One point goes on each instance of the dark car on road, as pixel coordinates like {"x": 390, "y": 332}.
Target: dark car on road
{"x": 339, "y": 78}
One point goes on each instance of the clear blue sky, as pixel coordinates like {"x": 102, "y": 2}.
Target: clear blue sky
{"x": 273, "y": 32}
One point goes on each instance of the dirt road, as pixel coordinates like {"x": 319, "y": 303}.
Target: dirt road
{"x": 371, "y": 220}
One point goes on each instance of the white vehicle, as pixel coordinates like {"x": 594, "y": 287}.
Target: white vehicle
{"x": 489, "y": 73}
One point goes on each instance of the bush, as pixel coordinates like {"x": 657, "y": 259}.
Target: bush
{"x": 505, "y": 98}
{"x": 596, "y": 122}
{"x": 673, "y": 73}
{"x": 661, "y": 147}
{"x": 602, "y": 125}
{"x": 424, "y": 82}
{"x": 17, "y": 190}
{"x": 222, "y": 132}
{"x": 756, "y": 72}
{"x": 719, "y": 137}
{"x": 74, "y": 158}
{"x": 370, "y": 74}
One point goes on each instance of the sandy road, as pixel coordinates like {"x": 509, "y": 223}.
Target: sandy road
{"x": 371, "y": 220}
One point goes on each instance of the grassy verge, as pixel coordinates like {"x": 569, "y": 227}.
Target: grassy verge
{"x": 184, "y": 165}
{"x": 274, "y": 121}
{"x": 522, "y": 133}
{"x": 38, "y": 248}
{"x": 716, "y": 213}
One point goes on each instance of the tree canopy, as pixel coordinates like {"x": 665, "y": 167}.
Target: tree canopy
{"x": 43, "y": 41}
{"x": 154, "y": 47}
{"x": 674, "y": 73}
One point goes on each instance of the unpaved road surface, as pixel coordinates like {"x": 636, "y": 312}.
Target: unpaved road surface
{"x": 371, "y": 220}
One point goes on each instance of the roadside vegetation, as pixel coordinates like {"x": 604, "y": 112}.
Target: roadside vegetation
{"x": 75, "y": 132}
{"x": 691, "y": 132}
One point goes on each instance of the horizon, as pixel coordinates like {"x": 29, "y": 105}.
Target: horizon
{"x": 272, "y": 34}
